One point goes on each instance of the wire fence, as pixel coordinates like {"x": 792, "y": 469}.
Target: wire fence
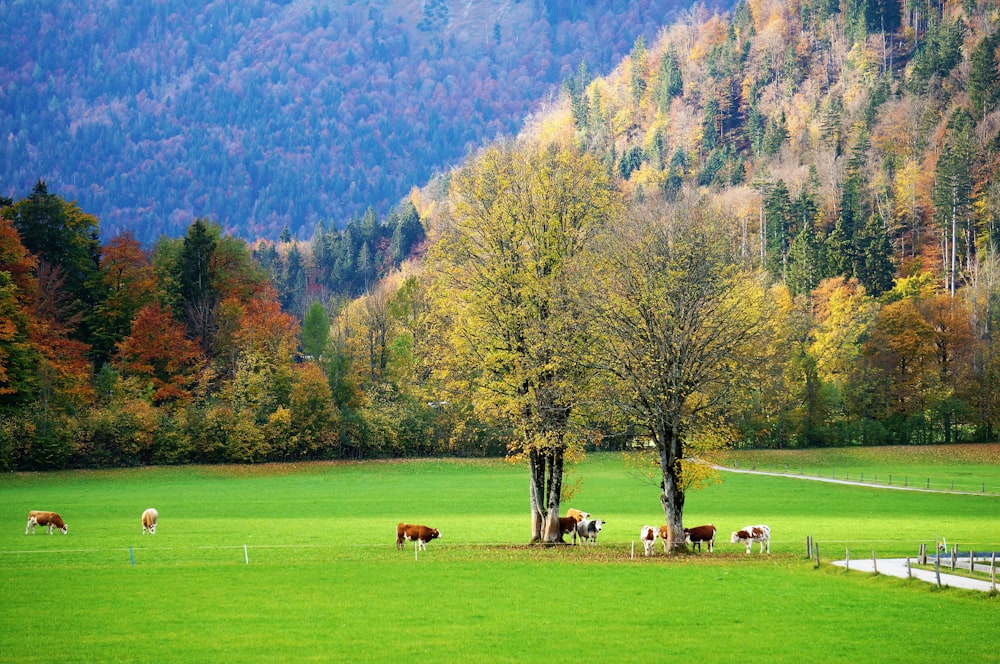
{"x": 905, "y": 480}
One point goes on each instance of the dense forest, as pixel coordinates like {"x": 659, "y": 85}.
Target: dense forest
{"x": 794, "y": 207}
{"x": 268, "y": 114}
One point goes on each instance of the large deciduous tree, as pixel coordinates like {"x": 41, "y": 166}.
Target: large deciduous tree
{"x": 675, "y": 322}
{"x": 520, "y": 214}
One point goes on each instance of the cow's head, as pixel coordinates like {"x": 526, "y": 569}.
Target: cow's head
{"x": 64, "y": 529}
{"x": 435, "y": 533}
{"x": 152, "y": 528}
{"x": 739, "y": 535}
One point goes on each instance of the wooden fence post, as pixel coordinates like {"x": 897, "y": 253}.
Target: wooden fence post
{"x": 816, "y": 546}
{"x": 909, "y": 570}
{"x": 809, "y": 547}
{"x": 922, "y": 556}
{"x": 954, "y": 556}
{"x": 847, "y": 558}
{"x": 874, "y": 563}
{"x": 937, "y": 569}
{"x": 972, "y": 558}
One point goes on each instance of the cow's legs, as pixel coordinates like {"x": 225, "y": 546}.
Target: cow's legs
{"x": 31, "y": 524}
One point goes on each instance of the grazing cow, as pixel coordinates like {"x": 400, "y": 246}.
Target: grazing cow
{"x": 648, "y": 537}
{"x": 416, "y": 533}
{"x": 577, "y": 514}
{"x": 587, "y": 530}
{"x": 50, "y": 519}
{"x": 149, "y": 518}
{"x": 700, "y": 534}
{"x": 750, "y": 534}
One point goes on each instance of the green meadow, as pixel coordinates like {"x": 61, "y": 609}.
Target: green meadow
{"x": 298, "y": 562}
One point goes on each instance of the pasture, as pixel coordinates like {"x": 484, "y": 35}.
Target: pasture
{"x": 325, "y": 581}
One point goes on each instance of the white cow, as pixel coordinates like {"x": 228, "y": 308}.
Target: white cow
{"x": 149, "y": 518}
{"x": 648, "y": 537}
{"x": 750, "y": 534}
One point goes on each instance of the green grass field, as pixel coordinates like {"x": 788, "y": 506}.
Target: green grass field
{"x": 325, "y": 582}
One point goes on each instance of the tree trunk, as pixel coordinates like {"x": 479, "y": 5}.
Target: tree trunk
{"x": 553, "y": 533}
{"x": 546, "y": 471}
{"x": 672, "y": 496}
{"x": 536, "y": 473}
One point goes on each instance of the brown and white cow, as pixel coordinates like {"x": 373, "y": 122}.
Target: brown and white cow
{"x": 49, "y": 519}
{"x": 700, "y": 534}
{"x": 415, "y": 533}
{"x": 665, "y": 536}
{"x": 149, "y": 518}
{"x": 750, "y": 534}
{"x": 567, "y": 525}
{"x": 648, "y": 537}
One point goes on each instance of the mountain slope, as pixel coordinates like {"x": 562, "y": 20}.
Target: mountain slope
{"x": 264, "y": 115}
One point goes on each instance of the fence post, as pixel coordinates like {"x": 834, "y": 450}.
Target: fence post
{"x": 890, "y": 479}
{"x": 847, "y": 559}
{"x": 809, "y": 547}
{"x": 816, "y": 546}
{"x": 874, "y": 563}
{"x": 246, "y": 554}
{"x": 922, "y": 556}
{"x": 993, "y": 570}
{"x": 862, "y": 476}
{"x": 954, "y": 556}
{"x": 972, "y": 559}
{"x": 909, "y": 570}
{"x": 633, "y": 550}
{"x": 937, "y": 569}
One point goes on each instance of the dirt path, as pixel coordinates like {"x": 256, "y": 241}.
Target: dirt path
{"x": 897, "y": 567}
{"x": 831, "y": 480}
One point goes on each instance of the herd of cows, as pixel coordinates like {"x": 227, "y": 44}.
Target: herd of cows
{"x": 577, "y": 523}
{"x": 583, "y": 528}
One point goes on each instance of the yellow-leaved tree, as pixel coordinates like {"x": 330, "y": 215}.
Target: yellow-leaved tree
{"x": 676, "y": 322}
{"x": 519, "y": 215}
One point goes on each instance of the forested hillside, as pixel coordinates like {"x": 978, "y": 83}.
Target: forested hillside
{"x": 781, "y": 220}
{"x": 266, "y": 114}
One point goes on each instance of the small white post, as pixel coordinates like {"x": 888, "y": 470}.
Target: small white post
{"x": 993, "y": 570}
{"x": 847, "y": 558}
{"x": 633, "y": 549}
{"x": 246, "y": 554}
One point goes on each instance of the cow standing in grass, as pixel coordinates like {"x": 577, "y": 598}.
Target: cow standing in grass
{"x": 648, "y": 537}
{"x": 750, "y": 534}
{"x": 700, "y": 534}
{"x": 417, "y": 533}
{"x": 149, "y": 518}
{"x": 48, "y": 519}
